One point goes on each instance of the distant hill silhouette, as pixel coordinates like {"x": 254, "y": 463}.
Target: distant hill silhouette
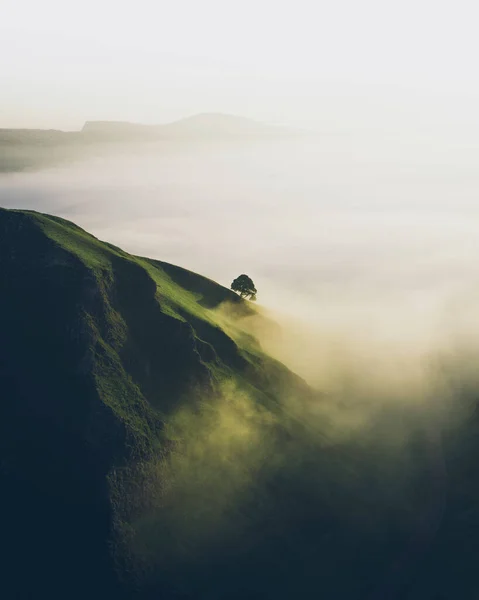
{"x": 204, "y": 126}
{"x": 22, "y": 149}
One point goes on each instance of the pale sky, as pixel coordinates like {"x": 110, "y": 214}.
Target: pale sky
{"x": 320, "y": 63}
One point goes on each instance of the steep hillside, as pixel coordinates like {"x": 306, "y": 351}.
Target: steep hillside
{"x": 150, "y": 449}
{"x": 97, "y": 349}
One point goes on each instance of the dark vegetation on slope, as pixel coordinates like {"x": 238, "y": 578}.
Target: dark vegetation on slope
{"x": 90, "y": 363}
{"x": 150, "y": 449}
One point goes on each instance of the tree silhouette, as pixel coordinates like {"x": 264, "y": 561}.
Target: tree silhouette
{"x": 245, "y": 287}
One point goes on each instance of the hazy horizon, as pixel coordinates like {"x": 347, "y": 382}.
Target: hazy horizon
{"x": 334, "y": 66}
{"x": 184, "y": 118}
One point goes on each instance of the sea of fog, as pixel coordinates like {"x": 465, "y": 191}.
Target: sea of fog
{"x": 366, "y": 251}
{"x": 376, "y": 236}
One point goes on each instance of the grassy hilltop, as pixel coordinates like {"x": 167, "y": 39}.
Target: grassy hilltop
{"x": 149, "y": 447}
{"x": 99, "y": 351}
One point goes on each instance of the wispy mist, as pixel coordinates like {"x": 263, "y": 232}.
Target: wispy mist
{"x": 363, "y": 248}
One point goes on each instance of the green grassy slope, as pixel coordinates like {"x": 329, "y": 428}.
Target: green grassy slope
{"x": 150, "y": 449}
{"x": 99, "y": 349}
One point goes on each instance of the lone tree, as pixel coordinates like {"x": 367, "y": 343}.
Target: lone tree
{"x": 245, "y": 287}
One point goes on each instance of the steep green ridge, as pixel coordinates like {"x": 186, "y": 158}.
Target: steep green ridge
{"x": 98, "y": 347}
{"x": 150, "y": 449}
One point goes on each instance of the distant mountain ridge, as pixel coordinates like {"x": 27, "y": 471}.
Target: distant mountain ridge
{"x": 22, "y": 149}
{"x": 204, "y": 125}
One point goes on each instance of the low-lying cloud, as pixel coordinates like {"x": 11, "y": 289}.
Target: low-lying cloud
{"x": 340, "y": 226}
{"x": 358, "y": 243}
{"x": 366, "y": 255}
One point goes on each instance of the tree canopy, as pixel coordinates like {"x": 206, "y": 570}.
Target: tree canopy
{"x": 245, "y": 287}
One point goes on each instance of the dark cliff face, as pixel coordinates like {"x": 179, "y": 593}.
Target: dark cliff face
{"x": 54, "y": 450}
{"x": 88, "y": 364}
{"x": 97, "y": 348}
